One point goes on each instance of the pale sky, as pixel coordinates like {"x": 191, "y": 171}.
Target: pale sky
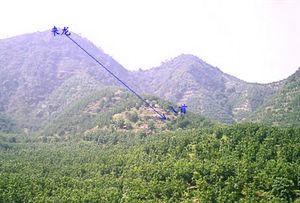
{"x": 254, "y": 40}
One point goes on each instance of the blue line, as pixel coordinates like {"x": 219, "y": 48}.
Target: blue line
{"x": 163, "y": 117}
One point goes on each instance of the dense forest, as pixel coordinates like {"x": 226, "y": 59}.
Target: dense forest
{"x": 237, "y": 163}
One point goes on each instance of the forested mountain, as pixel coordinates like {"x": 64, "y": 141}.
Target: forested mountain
{"x": 206, "y": 89}
{"x": 284, "y": 107}
{"x": 35, "y": 69}
{"x": 41, "y": 76}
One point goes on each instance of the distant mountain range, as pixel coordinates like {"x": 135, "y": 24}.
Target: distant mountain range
{"x": 43, "y": 77}
{"x": 206, "y": 89}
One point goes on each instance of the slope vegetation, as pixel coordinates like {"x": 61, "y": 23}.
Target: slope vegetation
{"x": 206, "y": 89}
{"x": 34, "y": 66}
{"x": 284, "y": 107}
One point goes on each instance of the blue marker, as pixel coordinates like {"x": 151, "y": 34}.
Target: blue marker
{"x": 55, "y": 31}
{"x": 183, "y": 108}
{"x": 172, "y": 108}
{"x": 65, "y": 31}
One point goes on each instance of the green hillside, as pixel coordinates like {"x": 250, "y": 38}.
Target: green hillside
{"x": 206, "y": 89}
{"x": 114, "y": 110}
{"x": 34, "y": 67}
{"x": 284, "y": 107}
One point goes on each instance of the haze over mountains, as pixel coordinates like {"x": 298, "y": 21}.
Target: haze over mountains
{"x": 42, "y": 76}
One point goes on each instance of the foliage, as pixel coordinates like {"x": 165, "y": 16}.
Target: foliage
{"x": 241, "y": 163}
{"x": 113, "y": 109}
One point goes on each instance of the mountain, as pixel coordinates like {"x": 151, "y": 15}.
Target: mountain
{"x": 36, "y": 68}
{"x": 205, "y": 89}
{"x": 52, "y": 89}
{"x": 283, "y": 108}
{"x": 47, "y": 82}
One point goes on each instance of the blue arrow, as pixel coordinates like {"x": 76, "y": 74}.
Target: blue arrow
{"x": 162, "y": 116}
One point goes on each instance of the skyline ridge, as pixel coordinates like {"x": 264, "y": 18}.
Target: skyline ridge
{"x": 48, "y": 31}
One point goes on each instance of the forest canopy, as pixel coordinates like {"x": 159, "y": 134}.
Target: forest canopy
{"x": 245, "y": 163}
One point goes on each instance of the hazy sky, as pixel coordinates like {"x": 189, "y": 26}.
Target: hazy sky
{"x": 255, "y": 40}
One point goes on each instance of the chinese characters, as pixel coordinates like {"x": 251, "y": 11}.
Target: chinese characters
{"x": 182, "y": 109}
{"x": 64, "y": 31}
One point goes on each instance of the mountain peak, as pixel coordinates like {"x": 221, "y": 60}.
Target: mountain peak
{"x": 33, "y": 66}
{"x": 185, "y": 62}
{"x": 187, "y": 57}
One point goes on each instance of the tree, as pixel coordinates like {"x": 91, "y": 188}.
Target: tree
{"x": 133, "y": 117}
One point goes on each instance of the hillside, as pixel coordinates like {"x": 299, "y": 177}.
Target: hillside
{"x": 34, "y": 68}
{"x": 113, "y": 110}
{"x": 284, "y": 107}
{"x": 206, "y": 89}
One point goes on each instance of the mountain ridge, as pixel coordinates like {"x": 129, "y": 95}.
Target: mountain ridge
{"x": 284, "y": 106}
{"x": 34, "y": 67}
{"x": 205, "y": 83}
